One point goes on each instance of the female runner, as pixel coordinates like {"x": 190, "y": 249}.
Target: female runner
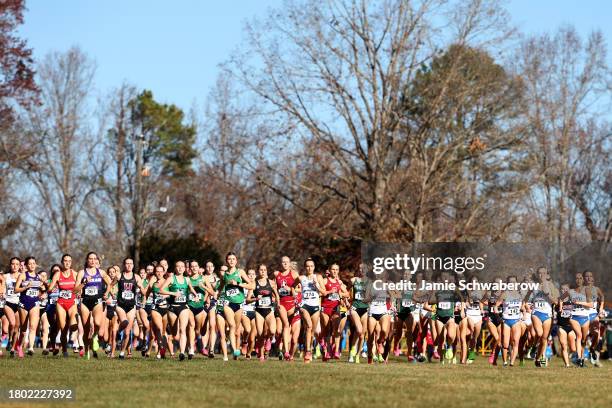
{"x": 542, "y": 300}
{"x": 177, "y": 287}
{"x": 472, "y": 323}
{"x": 30, "y": 288}
{"x": 358, "y": 314}
{"x": 580, "y": 316}
{"x": 265, "y": 296}
{"x": 511, "y": 313}
{"x": 66, "y": 309}
{"x": 128, "y": 283}
{"x": 11, "y": 305}
{"x": 233, "y": 281}
{"x": 95, "y": 290}
{"x": 311, "y": 285}
{"x": 332, "y": 292}
{"x": 288, "y": 319}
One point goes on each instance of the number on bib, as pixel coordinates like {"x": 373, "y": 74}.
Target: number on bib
{"x": 180, "y": 299}
{"x": 358, "y": 296}
{"x": 309, "y": 295}
{"x": 91, "y": 291}
{"x": 444, "y": 305}
{"x": 284, "y": 291}
{"x": 32, "y": 292}
{"x": 264, "y": 301}
{"x": 65, "y": 294}
{"x": 127, "y": 295}
{"x": 334, "y": 297}
{"x": 232, "y": 292}
{"x": 406, "y": 303}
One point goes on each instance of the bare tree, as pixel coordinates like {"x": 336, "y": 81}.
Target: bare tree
{"x": 61, "y": 129}
{"x": 567, "y": 97}
{"x": 332, "y": 82}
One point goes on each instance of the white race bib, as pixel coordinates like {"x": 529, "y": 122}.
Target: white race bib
{"x": 32, "y": 292}
{"x": 65, "y": 294}
{"x": 127, "y": 295}
{"x": 406, "y": 303}
{"x": 359, "y": 296}
{"x": 180, "y": 299}
{"x": 264, "y": 301}
{"x": 284, "y": 291}
{"x": 92, "y": 291}
{"x": 309, "y": 295}
{"x": 444, "y": 305}
{"x": 232, "y": 292}
{"x": 333, "y": 297}
{"x": 566, "y": 313}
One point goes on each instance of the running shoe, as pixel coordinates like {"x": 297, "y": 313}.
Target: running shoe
{"x": 95, "y": 354}
{"x": 225, "y": 358}
{"x": 492, "y": 357}
{"x": 162, "y": 352}
{"x": 211, "y": 355}
{"x": 421, "y": 358}
{"x": 236, "y": 354}
{"x": 121, "y": 355}
{"x": 448, "y": 354}
{"x": 370, "y": 360}
{"x": 20, "y": 351}
{"x": 337, "y": 355}
{"x": 12, "y": 353}
{"x": 96, "y": 345}
{"x": 436, "y": 355}
{"x": 55, "y": 351}
{"x": 268, "y": 345}
{"x": 45, "y": 352}
{"x": 65, "y": 354}
{"x": 81, "y": 352}
{"x": 411, "y": 359}
{"x": 181, "y": 356}
{"x": 30, "y": 352}
{"x": 357, "y": 359}
{"x": 87, "y": 355}
{"x": 397, "y": 352}
{"x": 244, "y": 349}
{"x": 317, "y": 352}
{"x": 287, "y": 357}
{"x": 205, "y": 351}
{"x": 308, "y": 357}
{"x": 471, "y": 356}
{"x": 351, "y": 359}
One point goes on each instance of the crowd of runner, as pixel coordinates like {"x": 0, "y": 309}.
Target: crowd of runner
{"x": 210, "y": 309}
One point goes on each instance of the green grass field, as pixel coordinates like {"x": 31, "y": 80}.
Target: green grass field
{"x": 201, "y": 382}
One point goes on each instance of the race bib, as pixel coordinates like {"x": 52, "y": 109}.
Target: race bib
{"x": 309, "y": 295}
{"x": 444, "y": 305}
{"x": 195, "y": 298}
{"x": 379, "y": 303}
{"x": 284, "y": 291}
{"x": 32, "y": 292}
{"x": 513, "y": 311}
{"x": 264, "y": 302}
{"x": 540, "y": 305}
{"x": 406, "y": 303}
{"x": 150, "y": 300}
{"x": 52, "y": 300}
{"x": 359, "y": 296}
{"x": 180, "y": 299}
{"x": 127, "y": 295}
{"x": 566, "y": 313}
{"x": 65, "y": 294}
{"x": 2, "y": 302}
{"x": 232, "y": 292}
{"x": 10, "y": 291}
{"x": 92, "y": 291}
{"x": 333, "y": 297}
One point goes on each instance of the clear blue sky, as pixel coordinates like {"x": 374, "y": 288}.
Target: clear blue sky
{"x": 174, "y": 47}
